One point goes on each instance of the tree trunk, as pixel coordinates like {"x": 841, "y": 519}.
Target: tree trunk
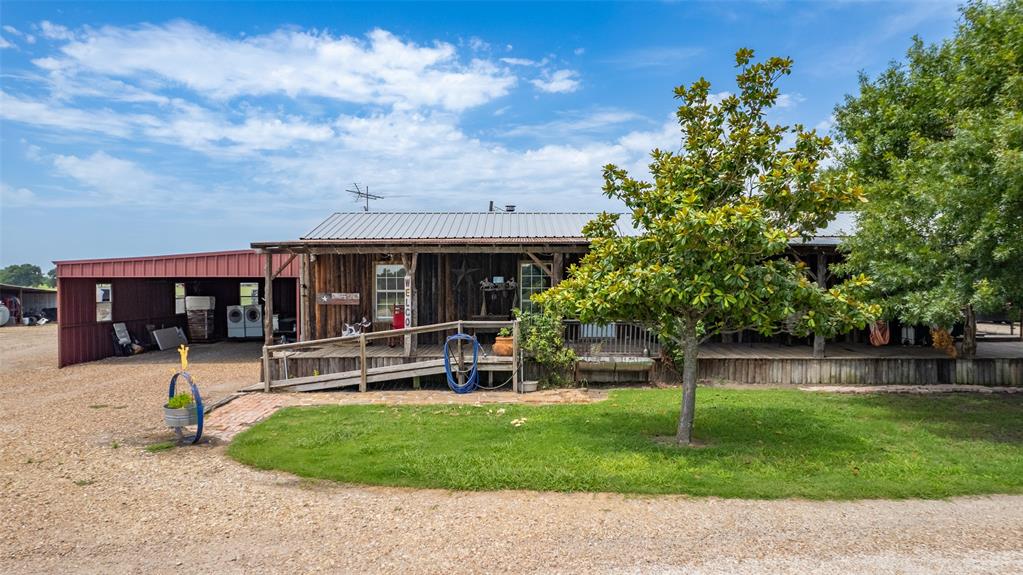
{"x": 970, "y": 333}
{"x": 690, "y": 357}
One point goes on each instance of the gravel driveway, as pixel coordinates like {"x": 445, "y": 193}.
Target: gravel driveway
{"x": 79, "y": 494}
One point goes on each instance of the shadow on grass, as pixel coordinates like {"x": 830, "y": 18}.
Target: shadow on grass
{"x": 959, "y": 416}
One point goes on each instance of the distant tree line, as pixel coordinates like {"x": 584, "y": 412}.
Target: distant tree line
{"x": 28, "y": 275}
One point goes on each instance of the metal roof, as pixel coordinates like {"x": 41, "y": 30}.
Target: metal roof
{"x": 463, "y": 227}
{"x": 226, "y": 264}
{"x": 843, "y": 226}
{"x": 26, "y": 289}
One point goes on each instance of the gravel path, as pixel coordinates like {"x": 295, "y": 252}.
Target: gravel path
{"x": 79, "y": 494}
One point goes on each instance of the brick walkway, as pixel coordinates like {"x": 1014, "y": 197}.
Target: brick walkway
{"x": 227, "y": 421}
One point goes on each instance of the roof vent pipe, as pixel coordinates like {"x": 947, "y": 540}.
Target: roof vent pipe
{"x": 509, "y": 208}
{"x": 491, "y": 206}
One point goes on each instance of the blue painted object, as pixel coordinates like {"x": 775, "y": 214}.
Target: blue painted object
{"x": 198, "y": 404}
{"x": 473, "y": 376}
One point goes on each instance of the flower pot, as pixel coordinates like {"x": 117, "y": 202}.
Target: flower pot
{"x": 181, "y": 417}
{"x": 503, "y": 345}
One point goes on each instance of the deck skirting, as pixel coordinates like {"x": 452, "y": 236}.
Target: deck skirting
{"x": 865, "y": 371}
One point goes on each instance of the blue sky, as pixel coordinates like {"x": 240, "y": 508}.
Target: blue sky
{"x": 145, "y": 128}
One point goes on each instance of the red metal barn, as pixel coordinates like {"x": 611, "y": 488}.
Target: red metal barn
{"x": 95, "y": 294}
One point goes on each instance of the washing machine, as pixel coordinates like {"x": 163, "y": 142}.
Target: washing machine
{"x": 236, "y": 321}
{"x": 253, "y": 321}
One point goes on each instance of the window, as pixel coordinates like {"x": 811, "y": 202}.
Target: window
{"x": 104, "y": 302}
{"x": 532, "y": 280}
{"x": 390, "y": 290}
{"x": 249, "y": 292}
{"x": 179, "y": 298}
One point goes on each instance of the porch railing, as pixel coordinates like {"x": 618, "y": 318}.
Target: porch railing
{"x": 618, "y": 338}
{"x": 280, "y": 353}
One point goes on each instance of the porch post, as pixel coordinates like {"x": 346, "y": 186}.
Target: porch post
{"x": 411, "y": 311}
{"x": 305, "y": 309}
{"x": 822, "y": 281}
{"x": 558, "y": 268}
{"x": 268, "y": 319}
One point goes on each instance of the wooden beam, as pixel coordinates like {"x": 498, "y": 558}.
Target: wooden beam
{"x": 822, "y": 282}
{"x": 268, "y": 302}
{"x": 543, "y": 266}
{"x": 284, "y": 265}
{"x": 305, "y": 301}
{"x": 515, "y": 356}
{"x": 410, "y": 261}
{"x": 362, "y": 363}
{"x": 375, "y": 249}
{"x": 558, "y": 267}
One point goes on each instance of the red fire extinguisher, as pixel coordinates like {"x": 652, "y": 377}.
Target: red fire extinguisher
{"x": 397, "y": 321}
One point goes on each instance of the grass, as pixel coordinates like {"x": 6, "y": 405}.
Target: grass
{"x": 162, "y": 446}
{"x": 755, "y": 444}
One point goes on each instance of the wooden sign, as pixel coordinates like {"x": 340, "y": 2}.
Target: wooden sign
{"x": 337, "y": 298}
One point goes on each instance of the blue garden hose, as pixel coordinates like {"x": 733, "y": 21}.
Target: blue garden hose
{"x": 195, "y": 397}
{"x": 474, "y": 375}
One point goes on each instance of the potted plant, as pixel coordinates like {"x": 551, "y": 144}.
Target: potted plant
{"x": 504, "y": 342}
{"x": 180, "y": 411}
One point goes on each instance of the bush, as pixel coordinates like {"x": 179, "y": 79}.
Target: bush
{"x": 183, "y": 399}
{"x": 543, "y": 339}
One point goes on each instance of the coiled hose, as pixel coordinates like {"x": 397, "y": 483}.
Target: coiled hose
{"x": 472, "y": 381}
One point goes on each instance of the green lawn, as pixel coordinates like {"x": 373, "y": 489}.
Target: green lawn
{"x": 757, "y": 444}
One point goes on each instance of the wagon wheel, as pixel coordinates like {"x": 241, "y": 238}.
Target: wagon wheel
{"x": 197, "y": 400}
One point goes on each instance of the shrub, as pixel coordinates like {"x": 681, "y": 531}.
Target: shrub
{"x": 543, "y": 339}
{"x": 180, "y": 400}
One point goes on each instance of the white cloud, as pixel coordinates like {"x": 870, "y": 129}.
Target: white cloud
{"x": 4, "y": 43}
{"x": 519, "y": 61}
{"x": 108, "y": 180}
{"x": 11, "y": 197}
{"x": 55, "y": 31}
{"x": 62, "y": 118}
{"x": 789, "y": 100}
{"x": 579, "y": 51}
{"x": 574, "y": 124}
{"x": 558, "y": 82}
{"x": 382, "y": 69}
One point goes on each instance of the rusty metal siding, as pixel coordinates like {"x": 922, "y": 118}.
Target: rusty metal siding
{"x": 233, "y": 264}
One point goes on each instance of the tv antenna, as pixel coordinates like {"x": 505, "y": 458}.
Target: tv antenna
{"x": 363, "y": 195}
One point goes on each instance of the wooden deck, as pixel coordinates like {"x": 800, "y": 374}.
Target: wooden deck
{"x": 997, "y": 363}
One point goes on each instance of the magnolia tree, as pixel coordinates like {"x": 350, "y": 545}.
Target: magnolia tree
{"x": 713, "y": 228}
{"x": 938, "y": 144}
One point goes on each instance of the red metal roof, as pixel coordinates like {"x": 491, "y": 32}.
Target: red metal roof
{"x": 229, "y": 264}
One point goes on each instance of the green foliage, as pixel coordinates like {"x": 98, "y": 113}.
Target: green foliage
{"x": 504, "y": 332}
{"x": 715, "y": 223}
{"x": 180, "y": 400}
{"x": 757, "y": 444}
{"x": 51, "y": 277}
{"x": 543, "y": 340}
{"x": 937, "y": 142}
{"x": 162, "y": 446}
{"x": 22, "y": 275}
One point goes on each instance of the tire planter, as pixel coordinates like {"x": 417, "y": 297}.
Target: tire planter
{"x": 503, "y": 345}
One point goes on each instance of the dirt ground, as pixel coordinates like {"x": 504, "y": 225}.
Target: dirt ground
{"x": 80, "y": 494}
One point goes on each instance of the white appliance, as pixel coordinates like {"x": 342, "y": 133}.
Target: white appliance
{"x": 253, "y": 321}
{"x": 200, "y": 302}
{"x": 235, "y": 321}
